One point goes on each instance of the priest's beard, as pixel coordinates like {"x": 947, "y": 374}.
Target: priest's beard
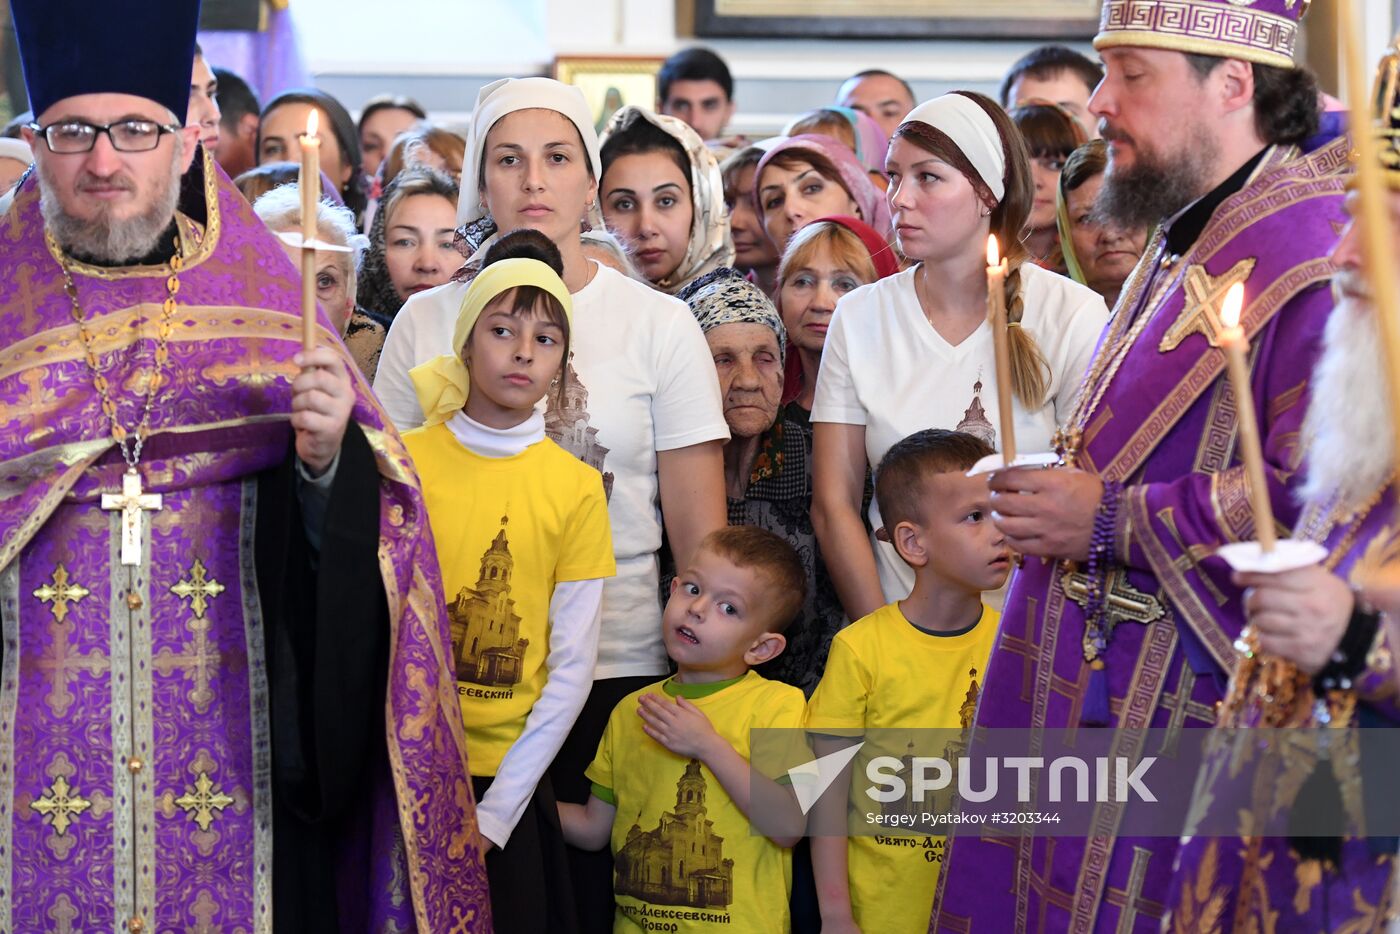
{"x": 1347, "y": 434}
{"x": 104, "y": 239}
{"x": 1155, "y": 186}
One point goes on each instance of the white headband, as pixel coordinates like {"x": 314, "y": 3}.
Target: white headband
{"x": 506, "y": 96}
{"x": 963, "y": 121}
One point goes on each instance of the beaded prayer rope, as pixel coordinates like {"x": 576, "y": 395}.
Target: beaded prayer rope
{"x": 1348, "y": 659}
{"x": 1101, "y": 546}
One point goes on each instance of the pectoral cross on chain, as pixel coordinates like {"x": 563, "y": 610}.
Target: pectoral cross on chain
{"x": 1122, "y": 603}
{"x": 133, "y": 503}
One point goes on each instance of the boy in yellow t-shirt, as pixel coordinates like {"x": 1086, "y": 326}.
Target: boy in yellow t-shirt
{"x": 910, "y": 665}
{"x": 671, "y": 782}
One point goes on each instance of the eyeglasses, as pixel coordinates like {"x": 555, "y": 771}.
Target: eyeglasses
{"x": 75, "y": 136}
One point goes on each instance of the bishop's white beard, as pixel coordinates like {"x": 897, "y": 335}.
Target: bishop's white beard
{"x": 1347, "y": 432}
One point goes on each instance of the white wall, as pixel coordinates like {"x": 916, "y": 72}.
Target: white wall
{"x": 443, "y": 51}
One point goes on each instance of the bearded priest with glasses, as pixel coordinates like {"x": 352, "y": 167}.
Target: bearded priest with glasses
{"x": 224, "y": 695}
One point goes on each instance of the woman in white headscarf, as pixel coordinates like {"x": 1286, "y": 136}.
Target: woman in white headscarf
{"x": 641, "y": 400}
{"x": 663, "y": 195}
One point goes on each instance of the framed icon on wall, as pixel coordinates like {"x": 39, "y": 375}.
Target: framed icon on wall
{"x": 609, "y": 84}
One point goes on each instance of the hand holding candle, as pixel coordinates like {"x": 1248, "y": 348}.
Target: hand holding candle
{"x": 1236, "y": 347}
{"x": 1001, "y": 344}
{"x": 310, "y": 187}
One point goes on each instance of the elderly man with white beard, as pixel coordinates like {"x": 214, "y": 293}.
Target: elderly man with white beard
{"x": 1321, "y": 658}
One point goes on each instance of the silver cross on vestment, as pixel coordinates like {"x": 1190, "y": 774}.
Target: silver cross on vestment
{"x": 133, "y": 503}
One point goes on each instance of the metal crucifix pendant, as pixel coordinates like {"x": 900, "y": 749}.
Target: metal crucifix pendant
{"x": 132, "y": 503}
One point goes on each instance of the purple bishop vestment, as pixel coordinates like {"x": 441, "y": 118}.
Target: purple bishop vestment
{"x": 1256, "y": 882}
{"x": 135, "y": 745}
{"x": 1156, "y": 413}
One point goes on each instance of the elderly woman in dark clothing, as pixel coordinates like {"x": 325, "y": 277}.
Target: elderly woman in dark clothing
{"x": 767, "y": 461}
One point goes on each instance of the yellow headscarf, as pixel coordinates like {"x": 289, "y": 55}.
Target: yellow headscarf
{"x": 442, "y": 383}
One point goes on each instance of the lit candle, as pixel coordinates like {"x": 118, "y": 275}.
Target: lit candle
{"x": 310, "y": 186}
{"x": 1236, "y": 346}
{"x": 996, "y": 317}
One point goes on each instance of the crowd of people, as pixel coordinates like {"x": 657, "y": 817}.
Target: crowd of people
{"x": 619, "y": 440}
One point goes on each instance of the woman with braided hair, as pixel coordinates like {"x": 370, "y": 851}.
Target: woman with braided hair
{"x": 914, "y": 350}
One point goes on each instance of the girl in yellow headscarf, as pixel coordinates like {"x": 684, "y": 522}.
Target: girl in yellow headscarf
{"x": 524, "y": 545}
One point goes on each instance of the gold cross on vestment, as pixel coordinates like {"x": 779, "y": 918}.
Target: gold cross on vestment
{"x": 64, "y": 913}
{"x": 61, "y": 593}
{"x": 255, "y": 371}
{"x": 197, "y": 589}
{"x": 60, "y": 805}
{"x": 132, "y": 502}
{"x": 1204, "y": 293}
{"x": 198, "y": 658}
{"x": 204, "y": 801}
{"x": 63, "y": 665}
{"x": 1122, "y": 603}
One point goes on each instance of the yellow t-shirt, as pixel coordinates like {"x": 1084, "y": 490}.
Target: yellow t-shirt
{"x": 885, "y": 673}
{"x": 684, "y": 856}
{"x": 507, "y": 530}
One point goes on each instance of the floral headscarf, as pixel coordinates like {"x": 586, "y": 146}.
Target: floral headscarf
{"x": 711, "y": 245}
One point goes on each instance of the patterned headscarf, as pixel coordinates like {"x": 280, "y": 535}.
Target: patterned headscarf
{"x": 724, "y": 296}
{"x": 711, "y": 245}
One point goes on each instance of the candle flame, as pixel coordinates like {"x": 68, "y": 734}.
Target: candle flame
{"x": 993, "y": 250}
{"x": 1232, "y": 306}
{"x": 313, "y": 121}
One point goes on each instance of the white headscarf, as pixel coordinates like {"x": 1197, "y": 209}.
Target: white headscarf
{"x": 964, "y": 122}
{"x": 506, "y": 97}
{"x": 16, "y": 149}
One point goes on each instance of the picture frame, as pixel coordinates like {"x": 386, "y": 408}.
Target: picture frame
{"x": 610, "y": 83}
{"x": 897, "y": 19}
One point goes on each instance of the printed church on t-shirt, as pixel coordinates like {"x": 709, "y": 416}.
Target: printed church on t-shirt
{"x": 486, "y": 639}
{"x": 568, "y": 425}
{"x": 974, "y": 420}
{"x": 681, "y": 860}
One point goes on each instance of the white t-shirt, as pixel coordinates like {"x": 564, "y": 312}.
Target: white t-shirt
{"x": 884, "y": 366}
{"x": 641, "y": 380}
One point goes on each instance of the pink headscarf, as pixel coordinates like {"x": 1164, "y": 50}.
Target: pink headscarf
{"x": 871, "y": 200}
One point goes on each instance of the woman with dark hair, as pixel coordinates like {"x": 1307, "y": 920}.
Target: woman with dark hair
{"x": 914, "y": 350}
{"x": 382, "y": 119}
{"x": 807, "y": 177}
{"x": 754, "y": 253}
{"x": 283, "y": 123}
{"x": 1099, "y": 252}
{"x": 1051, "y": 134}
{"x": 663, "y": 196}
